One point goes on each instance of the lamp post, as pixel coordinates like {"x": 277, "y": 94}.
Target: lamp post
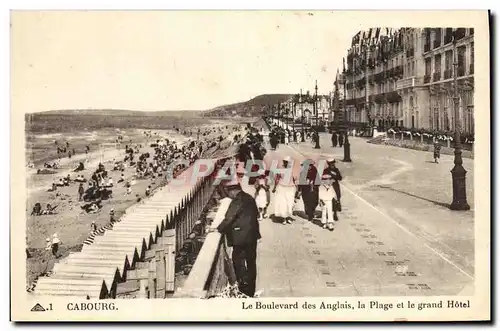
{"x": 279, "y": 115}
{"x": 458, "y": 172}
{"x": 294, "y": 114}
{"x": 302, "y": 138}
{"x": 287, "y": 113}
{"x": 315, "y": 108}
{"x": 347, "y": 145}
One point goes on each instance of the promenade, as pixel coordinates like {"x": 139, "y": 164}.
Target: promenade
{"x": 387, "y": 241}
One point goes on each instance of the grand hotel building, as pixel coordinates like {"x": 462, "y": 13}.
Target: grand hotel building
{"x": 404, "y": 78}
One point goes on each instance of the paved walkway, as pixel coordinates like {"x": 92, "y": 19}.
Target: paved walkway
{"x": 369, "y": 253}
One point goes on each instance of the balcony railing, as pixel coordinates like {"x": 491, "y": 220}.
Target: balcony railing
{"x": 436, "y": 77}
{"x": 408, "y": 82}
{"x": 427, "y": 47}
{"x": 447, "y": 74}
{"x": 471, "y": 69}
{"x": 436, "y": 43}
{"x": 427, "y": 79}
{"x": 352, "y": 102}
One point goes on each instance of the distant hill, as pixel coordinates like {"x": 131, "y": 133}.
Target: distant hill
{"x": 120, "y": 112}
{"x": 250, "y": 108}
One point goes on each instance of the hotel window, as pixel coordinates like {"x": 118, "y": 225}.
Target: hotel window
{"x": 437, "y": 68}
{"x": 427, "y": 41}
{"x": 461, "y": 61}
{"x": 471, "y": 65}
{"x": 448, "y": 62}
{"x": 437, "y": 38}
{"x": 448, "y": 36}
{"x": 428, "y": 66}
{"x": 459, "y": 33}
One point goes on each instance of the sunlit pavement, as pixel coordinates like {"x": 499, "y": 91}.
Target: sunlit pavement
{"x": 396, "y": 235}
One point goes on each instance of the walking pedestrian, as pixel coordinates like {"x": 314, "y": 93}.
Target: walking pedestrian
{"x": 48, "y": 244}
{"x": 241, "y": 228}
{"x": 284, "y": 195}
{"x": 81, "y": 191}
{"x": 56, "y": 242}
{"x": 341, "y": 139}
{"x": 334, "y": 139}
{"x": 336, "y": 176}
{"x": 287, "y": 138}
{"x": 437, "y": 151}
{"x": 326, "y": 195}
{"x": 262, "y": 194}
{"x": 309, "y": 188}
{"x": 112, "y": 218}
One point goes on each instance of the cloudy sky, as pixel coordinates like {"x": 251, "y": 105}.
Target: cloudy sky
{"x": 162, "y": 60}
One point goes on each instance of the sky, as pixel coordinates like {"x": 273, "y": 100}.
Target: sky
{"x": 162, "y": 60}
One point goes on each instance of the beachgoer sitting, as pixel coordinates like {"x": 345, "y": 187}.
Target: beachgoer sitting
{"x": 92, "y": 207}
{"x": 80, "y": 167}
{"x": 49, "y": 210}
{"x": 109, "y": 183}
{"x": 37, "y": 209}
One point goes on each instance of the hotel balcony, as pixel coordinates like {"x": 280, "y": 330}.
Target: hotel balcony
{"x": 356, "y": 101}
{"x": 408, "y": 82}
{"x": 436, "y": 43}
{"x": 436, "y": 77}
{"x": 427, "y": 79}
{"x": 410, "y": 52}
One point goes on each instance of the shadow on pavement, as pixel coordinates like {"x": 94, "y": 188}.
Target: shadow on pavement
{"x": 300, "y": 214}
{"x": 442, "y": 204}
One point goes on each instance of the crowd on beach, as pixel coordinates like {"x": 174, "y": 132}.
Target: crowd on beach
{"x": 154, "y": 162}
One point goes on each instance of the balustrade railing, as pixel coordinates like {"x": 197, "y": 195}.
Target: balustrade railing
{"x": 192, "y": 207}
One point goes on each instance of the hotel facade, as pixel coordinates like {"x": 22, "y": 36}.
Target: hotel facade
{"x": 404, "y": 78}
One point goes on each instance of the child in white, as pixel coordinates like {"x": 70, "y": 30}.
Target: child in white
{"x": 262, "y": 194}
{"x": 326, "y": 195}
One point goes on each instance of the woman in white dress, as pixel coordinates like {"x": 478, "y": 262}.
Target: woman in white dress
{"x": 284, "y": 196}
{"x": 262, "y": 194}
{"x": 287, "y": 137}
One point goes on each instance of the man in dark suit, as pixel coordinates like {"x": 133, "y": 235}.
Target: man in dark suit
{"x": 241, "y": 227}
{"x": 309, "y": 188}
